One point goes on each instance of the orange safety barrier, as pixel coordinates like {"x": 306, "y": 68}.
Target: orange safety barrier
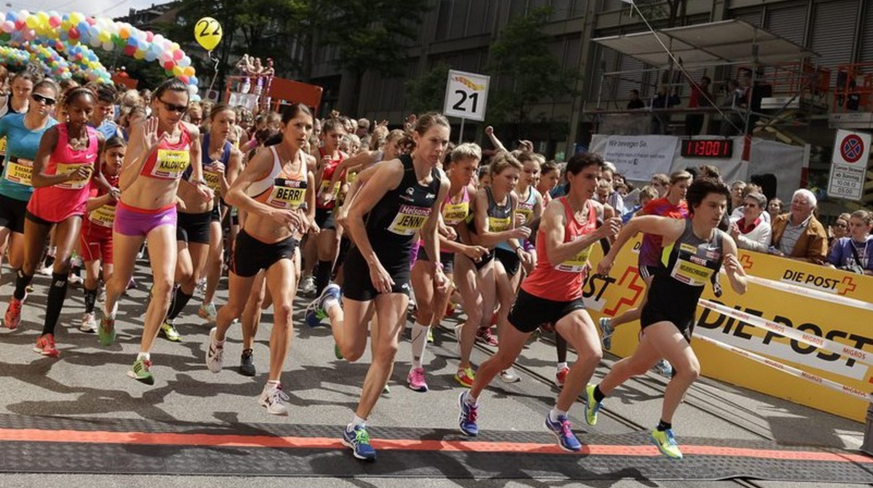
{"x": 272, "y": 92}
{"x": 854, "y": 90}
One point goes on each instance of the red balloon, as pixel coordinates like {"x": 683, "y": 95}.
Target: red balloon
{"x": 184, "y": 79}
{"x": 19, "y": 24}
{"x": 74, "y": 33}
{"x": 168, "y": 66}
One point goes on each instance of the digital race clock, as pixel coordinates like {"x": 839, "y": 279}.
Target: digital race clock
{"x": 707, "y": 148}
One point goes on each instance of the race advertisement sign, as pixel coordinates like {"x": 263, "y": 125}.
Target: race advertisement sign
{"x": 639, "y": 157}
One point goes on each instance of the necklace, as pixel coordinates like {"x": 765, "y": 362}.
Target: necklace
{"x": 78, "y": 143}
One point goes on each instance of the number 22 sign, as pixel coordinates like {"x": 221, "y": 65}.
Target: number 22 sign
{"x": 466, "y": 94}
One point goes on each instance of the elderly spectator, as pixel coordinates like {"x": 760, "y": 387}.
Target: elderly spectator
{"x": 736, "y": 202}
{"x": 774, "y": 208}
{"x": 363, "y": 128}
{"x": 750, "y": 230}
{"x": 853, "y": 252}
{"x": 798, "y": 234}
{"x": 737, "y": 214}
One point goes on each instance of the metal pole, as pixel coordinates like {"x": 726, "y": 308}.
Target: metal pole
{"x": 461, "y": 134}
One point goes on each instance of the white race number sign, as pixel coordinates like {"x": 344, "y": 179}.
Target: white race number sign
{"x": 466, "y": 94}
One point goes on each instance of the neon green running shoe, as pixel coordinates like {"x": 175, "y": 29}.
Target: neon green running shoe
{"x": 666, "y": 443}
{"x": 140, "y": 371}
{"x": 591, "y": 406}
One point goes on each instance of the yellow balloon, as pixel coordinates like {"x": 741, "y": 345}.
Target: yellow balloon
{"x": 208, "y": 33}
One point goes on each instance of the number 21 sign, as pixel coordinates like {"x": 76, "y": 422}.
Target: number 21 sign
{"x": 466, "y": 94}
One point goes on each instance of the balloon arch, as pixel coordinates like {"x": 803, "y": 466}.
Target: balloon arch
{"x": 60, "y": 44}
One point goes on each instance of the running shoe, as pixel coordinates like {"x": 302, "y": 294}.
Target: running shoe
{"x": 207, "y": 311}
{"x": 563, "y": 430}
{"x": 89, "y": 323}
{"x": 415, "y": 380}
{"x": 606, "y": 331}
{"x": 386, "y": 389}
{"x": 465, "y": 377}
{"x": 45, "y": 271}
{"x": 315, "y": 312}
{"x": 337, "y": 352}
{"x": 106, "y": 331}
{"x": 168, "y": 330}
{"x": 664, "y": 368}
{"x": 75, "y": 280}
{"x": 214, "y": 352}
{"x": 468, "y": 415}
{"x": 509, "y": 376}
{"x": 45, "y": 345}
{"x": 430, "y": 335}
{"x": 131, "y": 285}
{"x": 247, "y": 363}
{"x": 484, "y": 335}
{"x": 666, "y": 443}
{"x": 13, "y": 313}
{"x": 358, "y": 440}
{"x": 450, "y": 309}
{"x": 307, "y": 285}
{"x": 591, "y": 406}
{"x": 141, "y": 371}
{"x": 274, "y": 400}
{"x": 561, "y": 376}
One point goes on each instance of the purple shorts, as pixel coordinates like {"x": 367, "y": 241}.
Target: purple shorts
{"x": 137, "y": 222}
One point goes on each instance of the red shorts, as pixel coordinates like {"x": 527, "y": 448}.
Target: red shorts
{"x": 95, "y": 243}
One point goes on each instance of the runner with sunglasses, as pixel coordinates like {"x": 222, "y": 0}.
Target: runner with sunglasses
{"x": 160, "y": 150}
{"x": 24, "y": 132}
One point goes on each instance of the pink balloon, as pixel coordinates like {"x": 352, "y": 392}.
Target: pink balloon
{"x": 54, "y": 21}
{"x": 178, "y": 54}
{"x": 149, "y": 36}
{"x": 8, "y": 26}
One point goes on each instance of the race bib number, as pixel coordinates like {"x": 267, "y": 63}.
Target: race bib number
{"x": 77, "y": 183}
{"x": 103, "y": 216}
{"x": 19, "y": 171}
{"x": 526, "y": 212}
{"x": 409, "y": 220}
{"x": 2, "y": 146}
{"x": 287, "y": 194}
{"x": 499, "y": 225}
{"x": 455, "y": 213}
{"x": 577, "y": 263}
{"x": 213, "y": 180}
{"x": 351, "y": 177}
{"x": 325, "y": 187}
{"x": 170, "y": 164}
{"x": 690, "y": 268}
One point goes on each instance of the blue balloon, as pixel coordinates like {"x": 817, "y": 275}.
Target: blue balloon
{"x": 10, "y": 16}
{"x": 193, "y": 81}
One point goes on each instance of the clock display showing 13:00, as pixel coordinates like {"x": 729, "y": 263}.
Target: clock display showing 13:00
{"x": 707, "y": 148}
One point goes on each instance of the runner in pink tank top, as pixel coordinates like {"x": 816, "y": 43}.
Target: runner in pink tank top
{"x": 66, "y": 161}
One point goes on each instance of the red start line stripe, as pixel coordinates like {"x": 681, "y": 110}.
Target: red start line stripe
{"x": 231, "y": 440}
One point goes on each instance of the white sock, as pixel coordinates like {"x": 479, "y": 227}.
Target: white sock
{"x": 144, "y": 356}
{"x": 271, "y": 385}
{"x": 111, "y": 314}
{"x": 469, "y": 400}
{"x": 330, "y": 303}
{"x": 562, "y": 366}
{"x": 419, "y": 343}
{"x": 357, "y": 421}
{"x": 555, "y": 413}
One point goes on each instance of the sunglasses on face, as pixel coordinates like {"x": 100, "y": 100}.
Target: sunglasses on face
{"x": 172, "y": 107}
{"x": 42, "y": 99}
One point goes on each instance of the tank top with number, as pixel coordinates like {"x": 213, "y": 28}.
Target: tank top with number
{"x": 170, "y": 160}
{"x": 99, "y": 221}
{"x": 689, "y": 263}
{"x": 326, "y": 175}
{"x": 562, "y": 283}
{"x": 57, "y": 202}
{"x": 456, "y": 212}
{"x": 280, "y": 189}
{"x": 213, "y": 178}
{"x": 394, "y": 220}
{"x": 499, "y": 216}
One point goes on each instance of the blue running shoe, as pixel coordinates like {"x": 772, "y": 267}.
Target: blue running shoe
{"x": 606, "y": 330}
{"x": 563, "y": 430}
{"x": 358, "y": 440}
{"x": 467, "y": 417}
{"x": 315, "y": 311}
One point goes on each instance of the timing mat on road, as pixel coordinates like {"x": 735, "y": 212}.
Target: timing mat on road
{"x": 104, "y": 446}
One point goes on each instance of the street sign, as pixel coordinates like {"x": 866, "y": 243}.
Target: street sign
{"x": 848, "y": 171}
{"x": 466, "y": 95}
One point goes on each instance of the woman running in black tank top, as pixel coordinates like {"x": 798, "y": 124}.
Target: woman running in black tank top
{"x": 694, "y": 250}
{"x": 396, "y": 199}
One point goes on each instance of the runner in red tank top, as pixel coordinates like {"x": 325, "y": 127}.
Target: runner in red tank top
{"x": 553, "y": 293}
{"x": 62, "y": 170}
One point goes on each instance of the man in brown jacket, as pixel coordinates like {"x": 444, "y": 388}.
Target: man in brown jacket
{"x": 798, "y": 234}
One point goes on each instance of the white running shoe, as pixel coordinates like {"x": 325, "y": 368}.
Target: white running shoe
{"x": 274, "y": 400}
{"x": 214, "y": 352}
{"x": 89, "y": 323}
{"x": 510, "y": 376}
{"x": 307, "y": 286}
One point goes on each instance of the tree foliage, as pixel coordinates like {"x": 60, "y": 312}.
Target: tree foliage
{"x": 427, "y": 92}
{"x": 526, "y": 73}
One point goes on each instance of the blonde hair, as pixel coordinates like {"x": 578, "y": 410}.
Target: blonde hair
{"x": 467, "y": 150}
{"x": 503, "y": 161}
